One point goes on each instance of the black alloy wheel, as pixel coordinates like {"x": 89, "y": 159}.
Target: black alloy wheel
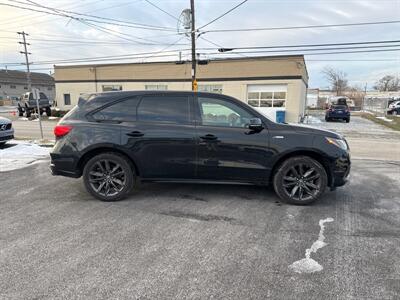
{"x": 300, "y": 180}
{"x": 108, "y": 176}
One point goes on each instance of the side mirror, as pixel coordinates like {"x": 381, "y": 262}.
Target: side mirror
{"x": 255, "y": 124}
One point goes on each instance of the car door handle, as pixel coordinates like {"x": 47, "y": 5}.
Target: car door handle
{"x": 209, "y": 137}
{"x": 135, "y": 134}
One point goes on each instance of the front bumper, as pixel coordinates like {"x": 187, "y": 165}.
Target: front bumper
{"x": 340, "y": 171}
{"x": 6, "y": 135}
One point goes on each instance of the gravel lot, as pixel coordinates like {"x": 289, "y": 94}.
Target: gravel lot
{"x": 180, "y": 241}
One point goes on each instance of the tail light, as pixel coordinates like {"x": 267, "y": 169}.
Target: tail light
{"x": 61, "y": 130}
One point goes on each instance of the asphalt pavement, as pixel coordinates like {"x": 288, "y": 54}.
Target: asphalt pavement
{"x": 184, "y": 241}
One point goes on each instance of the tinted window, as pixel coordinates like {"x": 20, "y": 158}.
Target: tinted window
{"x": 339, "y": 106}
{"x": 121, "y": 111}
{"x": 171, "y": 109}
{"x": 218, "y": 112}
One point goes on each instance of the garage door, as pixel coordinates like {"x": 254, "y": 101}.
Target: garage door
{"x": 267, "y": 95}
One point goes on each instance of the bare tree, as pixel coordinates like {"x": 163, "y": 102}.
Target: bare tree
{"x": 388, "y": 83}
{"x": 337, "y": 79}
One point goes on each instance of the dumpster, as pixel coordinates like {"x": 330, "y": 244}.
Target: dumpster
{"x": 280, "y": 116}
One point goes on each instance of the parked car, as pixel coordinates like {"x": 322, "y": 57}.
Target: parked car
{"x": 6, "y": 130}
{"x": 337, "y": 112}
{"x": 28, "y": 104}
{"x": 394, "y": 108}
{"x": 116, "y": 139}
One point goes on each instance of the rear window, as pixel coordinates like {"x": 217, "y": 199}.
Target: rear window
{"x": 121, "y": 111}
{"x": 339, "y": 106}
{"x": 170, "y": 109}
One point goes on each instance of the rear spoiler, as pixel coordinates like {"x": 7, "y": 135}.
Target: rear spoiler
{"x": 83, "y": 98}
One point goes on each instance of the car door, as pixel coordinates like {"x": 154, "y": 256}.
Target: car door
{"x": 162, "y": 138}
{"x": 227, "y": 149}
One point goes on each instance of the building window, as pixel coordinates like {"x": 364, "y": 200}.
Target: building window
{"x": 156, "y": 87}
{"x": 211, "y": 88}
{"x": 49, "y": 88}
{"x": 67, "y": 99}
{"x": 13, "y": 87}
{"x": 110, "y": 88}
{"x": 25, "y": 87}
{"x": 267, "y": 95}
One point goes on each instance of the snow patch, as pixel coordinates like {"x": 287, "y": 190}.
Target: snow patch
{"x": 53, "y": 118}
{"x": 20, "y": 155}
{"x": 312, "y": 120}
{"x": 384, "y": 119}
{"x": 307, "y": 264}
{"x": 23, "y": 119}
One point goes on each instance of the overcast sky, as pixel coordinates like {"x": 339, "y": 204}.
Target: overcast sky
{"x": 82, "y": 39}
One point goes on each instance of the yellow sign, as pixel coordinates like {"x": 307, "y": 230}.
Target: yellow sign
{"x": 194, "y": 85}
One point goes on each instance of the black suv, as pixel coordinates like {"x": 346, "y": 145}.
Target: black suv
{"x": 115, "y": 139}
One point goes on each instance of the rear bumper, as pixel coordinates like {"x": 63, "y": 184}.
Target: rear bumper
{"x": 338, "y": 116}
{"x": 64, "y": 166}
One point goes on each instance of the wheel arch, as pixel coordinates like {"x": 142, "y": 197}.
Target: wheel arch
{"x": 105, "y": 149}
{"x": 303, "y": 152}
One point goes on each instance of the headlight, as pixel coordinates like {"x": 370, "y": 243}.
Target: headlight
{"x": 337, "y": 142}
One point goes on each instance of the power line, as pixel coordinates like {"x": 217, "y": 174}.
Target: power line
{"x": 224, "y": 14}
{"x": 313, "y": 45}
{"x": 83, "y": 59}
{"x": 164, "y": 11}
{"x": 55, "y": 13}
{"x": 60, "y": 11}
{"x": 318, "y": 49}
{"x": 301, "y": 27}
{"x": 318, "y": 53}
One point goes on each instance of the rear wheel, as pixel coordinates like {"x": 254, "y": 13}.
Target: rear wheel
{"x": 48, "y": 111}
{"x": 327, "y": 119}
{"x": 108, "y": 176}
{"x": 347, "y": 120}
{"x": 27, "y": 113}
{"x": 300, "y": 180}
{"x": 20, "y": 111}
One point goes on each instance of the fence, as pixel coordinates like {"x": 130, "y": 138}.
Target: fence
{"x": 377, "y": 106}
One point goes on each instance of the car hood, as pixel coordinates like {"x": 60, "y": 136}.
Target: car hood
{"x": 315, "y": 131}
{"x": 4, "y": 120}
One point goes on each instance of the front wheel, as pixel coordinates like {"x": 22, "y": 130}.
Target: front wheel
{"x": 348, "y": 120}
{"x": 108, "y": 176}
{"x": 48, "y": 111}
{"x": 300, "y": 180}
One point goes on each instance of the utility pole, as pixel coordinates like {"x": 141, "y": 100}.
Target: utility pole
{"x": 193, "y": 35}
{"x": 28, "y": 73}
{"x": 28, "y": 77}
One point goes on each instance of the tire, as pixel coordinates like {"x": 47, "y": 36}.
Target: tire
{"x": 2, "y": 144}
{"x": 48, "y": 111}
{"x": 20, "y": 112}
{"x": 291, "y": 183}
{"x": 28, "y": 113}
{"x": 327, "y": 119}
{"x": 98, "y": 179}
{"x": 348, "y": 120}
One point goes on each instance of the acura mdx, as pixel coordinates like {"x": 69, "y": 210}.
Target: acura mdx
{"x": 117, "y": 139}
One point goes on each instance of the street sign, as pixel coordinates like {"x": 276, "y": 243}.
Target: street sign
{"x": 36, "y": 94}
